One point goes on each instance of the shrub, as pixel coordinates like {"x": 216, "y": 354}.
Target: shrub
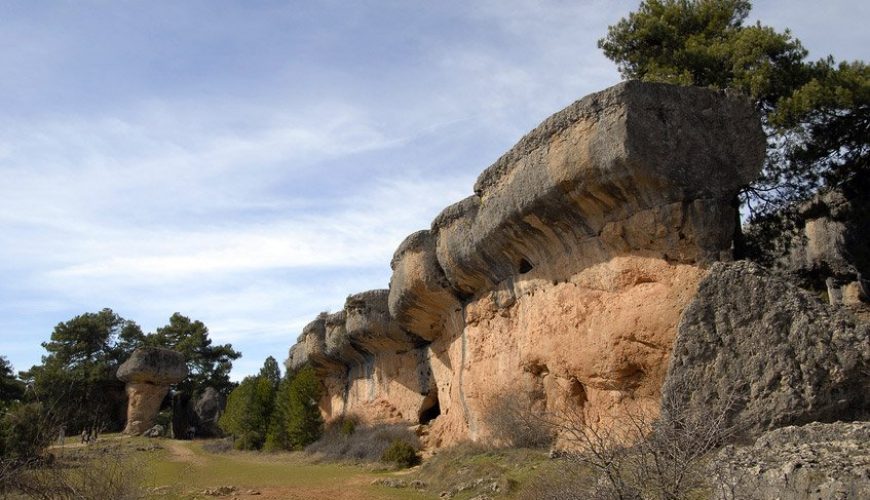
{"x": 250, "y": 440}
{"x": 348, "y": 427}
{"x": 99, "y": 471}
{"x": 366, "y": 444}
{"x": 296, "y": 421}
{"x": 304, "y": 423}
{"x": 401, "y": 453}
{"x": 25, "y": 431}
{"x": 514, "y": 424}
{"x": 218, "y": 445}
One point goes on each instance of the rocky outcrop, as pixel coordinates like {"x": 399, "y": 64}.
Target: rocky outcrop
{"x": 371, "y": 367}
{"x": 766, "y": 354}
{"x": 208, "y": 408}
{"x": 560, "y": 282}
{"x": 830, "y": 248}
{"x": 816, "y": 461}
{"x": 148, "y": 373}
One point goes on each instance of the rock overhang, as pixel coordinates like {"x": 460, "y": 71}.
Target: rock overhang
{"x": 639, "y": 170}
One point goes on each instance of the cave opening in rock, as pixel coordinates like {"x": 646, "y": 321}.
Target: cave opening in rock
{"x": 525, "y": 266}
{"x": 429, "y": 409}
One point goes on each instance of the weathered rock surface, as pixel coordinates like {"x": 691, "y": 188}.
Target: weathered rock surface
{"x": 829, "y": 248}
{"x": 208, "y": 409}
{"x": 639, "y": 169}
{"x": 420, "y": 297}
{"x": 148, "y": 373}
{"x": 768, "y": 354}
{"x": 370, "y": 327}
{"x": 816, "y": 461}
{"x": 154, "y": 432}
{"x": 561, "y": 281}
{"x": 371, "y": 367}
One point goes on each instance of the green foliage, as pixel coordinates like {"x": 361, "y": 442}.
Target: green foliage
{"x": 816, "y": 114}
{"x": 401, "y": 453}
{"x": 271, "y": 372}
{"x": 277, "y": 438}
{"x": 827, "y": 124}
{"x": 209, "y": 365}
{"x": 250, "y": 408}
{"x": 704, "y": 43}
{"x": 25, "y": 431}
{"x": 76, "y": 380}
{"x": 246, "y": 414}
{"x": 11, "y": 389}
{"x": 296, "y": 421}
{"x": 348, "y": 427}
{"x": 304, "y": 423}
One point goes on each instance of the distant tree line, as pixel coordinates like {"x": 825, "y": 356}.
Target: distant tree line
{"x": 273, "y": 413}
{"x": 75, "y": 386}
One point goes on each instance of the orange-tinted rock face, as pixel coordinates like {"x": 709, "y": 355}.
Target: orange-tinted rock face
{"x": 559, "y": 284}
{"x": 143, "y": 404}
{"x": 599, "y": 342}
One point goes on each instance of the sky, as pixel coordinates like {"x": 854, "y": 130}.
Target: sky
{"x": 251, "y": 163}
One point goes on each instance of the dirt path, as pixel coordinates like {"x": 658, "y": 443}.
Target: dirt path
{"x": 179, "y": 451}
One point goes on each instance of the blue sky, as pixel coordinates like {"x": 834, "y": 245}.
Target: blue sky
{"x": 252, "y": 163}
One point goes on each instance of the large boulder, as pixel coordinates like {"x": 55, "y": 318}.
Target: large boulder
{"x": 765, "y": 353}
{"x": 817, "y": 461}
{"x": 830, "y": 246}
{"x": 208, "y": 409}
{"x": 148, "y": 373}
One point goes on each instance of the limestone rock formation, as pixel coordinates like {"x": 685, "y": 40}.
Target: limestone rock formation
{"x": 148, "y": 373}
{"x": 560, "y": 282}
{"x": 767, "y": 353}
{"x": 818, "y": 461}
{"x": 831, "y": 246}
{"x": 639, "y": 169}
{"x": 371, "y": 367}
{"x": 208, "y": 408}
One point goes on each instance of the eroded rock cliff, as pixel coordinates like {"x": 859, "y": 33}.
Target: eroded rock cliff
{"x": 560, "y": 283}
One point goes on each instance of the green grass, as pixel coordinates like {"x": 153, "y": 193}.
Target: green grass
{"x": 467, "y": 463}
{"x": 252, "y": 470}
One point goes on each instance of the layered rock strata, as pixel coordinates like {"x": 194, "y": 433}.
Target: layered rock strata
{"x": 559, "y": 284}
{"x": 148, "y": 373}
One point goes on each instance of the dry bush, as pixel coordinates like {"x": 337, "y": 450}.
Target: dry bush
{"x": 223, "y": 445}
{"x": 638, "y": 457}
{"x": 514, "y": 424}
{"x": 365, "y": 444}
{"x": 99, "y": 472}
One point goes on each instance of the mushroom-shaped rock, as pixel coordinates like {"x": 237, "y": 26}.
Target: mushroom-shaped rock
{"x": 148, "y": 373}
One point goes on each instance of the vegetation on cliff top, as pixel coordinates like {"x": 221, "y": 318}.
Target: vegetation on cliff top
{"x": 816, "y": 113}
